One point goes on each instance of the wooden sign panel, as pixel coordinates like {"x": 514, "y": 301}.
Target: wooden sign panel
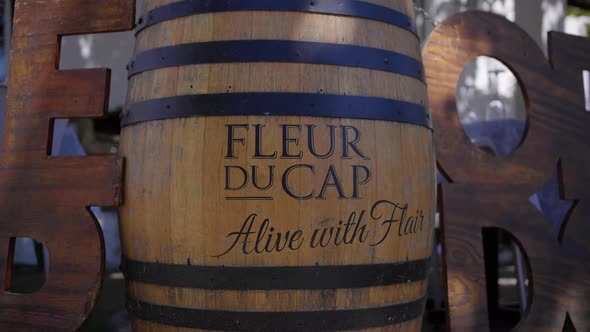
{"x": 486, "y": 191}
{"x": 47, "y": 198}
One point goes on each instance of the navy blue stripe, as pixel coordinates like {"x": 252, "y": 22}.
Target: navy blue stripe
{"x": 275, "y": 277}
{"x": 276, "y": 51}
{"x": 351, "y": 8}
{"x": 290, "y": 321}
{"x": 276, "y": 104}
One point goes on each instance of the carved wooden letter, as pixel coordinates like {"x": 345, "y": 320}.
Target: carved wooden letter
{"x": 43, "y": 197}
{"x": 493, "y": 192}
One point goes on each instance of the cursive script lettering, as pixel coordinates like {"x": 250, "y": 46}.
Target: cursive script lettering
{"x": 258, "y": 236}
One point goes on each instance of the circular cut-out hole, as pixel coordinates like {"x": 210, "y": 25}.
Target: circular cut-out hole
{"x": 491, "y": 106}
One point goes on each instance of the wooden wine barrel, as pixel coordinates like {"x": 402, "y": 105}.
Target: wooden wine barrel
{"x": 279, "y": 167}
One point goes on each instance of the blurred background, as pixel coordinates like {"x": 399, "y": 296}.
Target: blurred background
{"x": 489, "y": 102}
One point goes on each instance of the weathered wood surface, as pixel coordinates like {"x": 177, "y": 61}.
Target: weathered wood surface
{"x": 486, "y": 191}
{"x": 47, "y": 198}
{"x": 176, "y": 210}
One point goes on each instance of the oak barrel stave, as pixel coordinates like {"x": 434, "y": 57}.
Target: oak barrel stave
{"x": 178, "y": 213}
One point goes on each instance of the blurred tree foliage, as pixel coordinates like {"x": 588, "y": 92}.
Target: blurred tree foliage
{"x": 579, "y": 8}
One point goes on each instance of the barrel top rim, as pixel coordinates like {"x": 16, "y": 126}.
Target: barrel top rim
{"x": 349, "y": 8}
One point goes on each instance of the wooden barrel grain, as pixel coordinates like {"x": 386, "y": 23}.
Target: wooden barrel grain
{"x": 279, "y": 167}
